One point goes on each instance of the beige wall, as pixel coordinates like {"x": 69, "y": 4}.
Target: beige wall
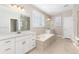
{"x": 29, "y": 8}
{"x": 75, "y": 13}
{"x": 59, "y": 29}
{"x": 78, "y": 24}
{"x": 76, "y": 18}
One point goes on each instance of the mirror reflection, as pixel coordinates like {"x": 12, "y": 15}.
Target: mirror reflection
{"x": 25, "y": 23}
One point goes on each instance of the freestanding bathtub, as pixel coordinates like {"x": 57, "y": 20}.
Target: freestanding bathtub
{"x": 45, "y": 40}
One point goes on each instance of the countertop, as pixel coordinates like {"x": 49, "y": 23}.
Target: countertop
{"x": 44, "y": 37}
{"x": 11, "y": 35}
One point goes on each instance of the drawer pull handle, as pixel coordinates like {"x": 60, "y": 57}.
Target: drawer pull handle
{"x": 23, "y": 42}
{"x": 8, "y": 41}
{"x": 32, "y": 39}
{"x": 7, "y": 49}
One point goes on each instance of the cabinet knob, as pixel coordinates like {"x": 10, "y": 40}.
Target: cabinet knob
{"x": 32, "y": 39}
{"x": 7, "y": 49}
{"x": 23, "y": 42}
{"x": 7, "y": 41}
{"x": 33, "y": 44}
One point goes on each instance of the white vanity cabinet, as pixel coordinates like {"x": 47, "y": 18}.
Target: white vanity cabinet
{"x": 31, "y": 42}
{"x": 17, "y": 44}
{"x": 21, "y": 45}
{"x": 7, "y": 46}
{"x": 25, "y": 43}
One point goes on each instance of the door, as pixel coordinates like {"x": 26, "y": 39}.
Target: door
{"x": 68, "y": 27}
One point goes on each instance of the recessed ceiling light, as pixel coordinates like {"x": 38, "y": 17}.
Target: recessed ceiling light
{"x": 48, "y": 19}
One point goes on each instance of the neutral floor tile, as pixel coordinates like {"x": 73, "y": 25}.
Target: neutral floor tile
{"x": 60, "y": 46}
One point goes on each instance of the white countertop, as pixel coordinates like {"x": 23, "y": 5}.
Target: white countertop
{"x": 11, "y": 35}
{"x": 44, "y": 37}
{"x": 8, "y": 35}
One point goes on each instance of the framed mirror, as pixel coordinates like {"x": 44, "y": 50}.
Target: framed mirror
{"x": 13, "y": 25}
{"x": 25, "y": 23}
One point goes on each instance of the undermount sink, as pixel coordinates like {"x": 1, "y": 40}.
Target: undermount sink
{"x": 18, "y": 32}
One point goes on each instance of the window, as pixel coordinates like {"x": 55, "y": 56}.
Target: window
{"x": 37, "y": 19}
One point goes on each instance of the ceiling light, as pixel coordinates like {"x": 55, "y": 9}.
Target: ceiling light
{"x": 48, "y": 19}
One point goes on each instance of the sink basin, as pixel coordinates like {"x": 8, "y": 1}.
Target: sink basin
{"x": 18, "y": 32}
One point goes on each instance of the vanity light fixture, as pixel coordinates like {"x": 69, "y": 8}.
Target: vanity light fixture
{"x": 22, "y": 8}
{"x": 14, "y": 6}
{"x": 17, "y": 6}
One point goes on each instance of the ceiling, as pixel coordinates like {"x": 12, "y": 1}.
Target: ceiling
{"x": 53, "y": 9}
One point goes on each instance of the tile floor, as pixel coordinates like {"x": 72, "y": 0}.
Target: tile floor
{"x": 60, "y": 46}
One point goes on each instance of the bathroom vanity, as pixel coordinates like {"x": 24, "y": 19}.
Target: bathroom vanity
{"x": 17, "y": 43}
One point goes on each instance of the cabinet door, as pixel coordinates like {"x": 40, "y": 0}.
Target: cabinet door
{"x": 7, "y": 46}
{"x": 31, "y": 42}
{"x": 19, "y": 46}
{"x": 9, "y": 50}
{"x": 25, "y": 44}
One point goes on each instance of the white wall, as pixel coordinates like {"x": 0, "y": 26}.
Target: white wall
{"x": 8, "y": 12}
{"x": 58, "y": 25}
{"x": 68, "y": 27}
{"x": 5, "y": 15}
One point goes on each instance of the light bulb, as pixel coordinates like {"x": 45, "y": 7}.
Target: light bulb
{"x": 19, "y": 8}
{"x": 48, "y": 19}
{"x": 14, "y": 6}
{"x": 10, "y": 5}
{"x": 22, "y": 9}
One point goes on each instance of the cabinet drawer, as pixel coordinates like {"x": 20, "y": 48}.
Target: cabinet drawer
{"x": 31, "y": 43}
{"x": 21, "y": 38}
{"x": 31, "y": 40}
{"x": 20, "y": 46}
{"x": 7, "y": 50}
{"x": 7, "y": 46}
{"x": 7, "y": 42}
